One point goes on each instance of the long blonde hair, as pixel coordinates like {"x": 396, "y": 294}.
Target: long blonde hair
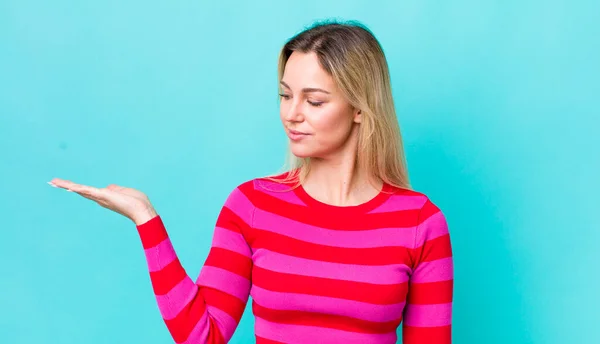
{"x": 350, "y": 53}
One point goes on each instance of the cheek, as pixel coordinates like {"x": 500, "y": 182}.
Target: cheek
{"x": 330, "y": 130}
{"x": 331, "y": 126}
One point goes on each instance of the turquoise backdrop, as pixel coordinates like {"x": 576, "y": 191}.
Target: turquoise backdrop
{"x": 497, "y": 101}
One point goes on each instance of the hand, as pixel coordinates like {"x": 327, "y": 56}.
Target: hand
{"x": 128, "y": 202}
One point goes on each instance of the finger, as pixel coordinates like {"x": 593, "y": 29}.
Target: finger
{"x": 89, "y": 192}
{"x": 62, "y": 183}
{"x": 83, "y": 190}
{"x": 74, "y": 187}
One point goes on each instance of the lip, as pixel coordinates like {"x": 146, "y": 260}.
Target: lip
{"x": 295, "y": 135}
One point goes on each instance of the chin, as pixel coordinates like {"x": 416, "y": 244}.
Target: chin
{"x": 301, "y": 152}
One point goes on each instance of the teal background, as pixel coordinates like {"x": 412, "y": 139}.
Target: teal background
{"x": 498, "y": 105}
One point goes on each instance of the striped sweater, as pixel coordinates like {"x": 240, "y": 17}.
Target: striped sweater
{"x": 317, "y": 273}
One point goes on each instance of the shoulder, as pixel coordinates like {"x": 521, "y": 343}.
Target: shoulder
{"x": 421, "y": 206}
{"x": 431, "y": 222}
{"x": 273, "y": 183}
{"x": 410, "y": 199}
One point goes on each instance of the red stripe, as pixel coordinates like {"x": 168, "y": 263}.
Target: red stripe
{"x": 428, "y": 210}
{"x": 437, "y": 248}
{"x": 247, "y": 188}
{"x": 325, "y": 219}
{"x": 418, "y": 335}
{"x": 349, "y": 290}
{"x": 324, "y": 320}
{"x": 298, "y": 248}
{"x": 164, "y": 280}
{"x": 430, "y": 293}
{"x": 230, "y": 220}
{"x": 230, "y": 261}
{"x": 152, "y": 232}
{"x": 225, "y": 302}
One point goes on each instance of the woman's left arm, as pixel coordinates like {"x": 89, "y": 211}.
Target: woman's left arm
{"x": 428, "y": 312}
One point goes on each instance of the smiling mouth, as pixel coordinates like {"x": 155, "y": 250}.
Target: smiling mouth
{"x": 295, "y": 132}
{"x": 296, "y": 135}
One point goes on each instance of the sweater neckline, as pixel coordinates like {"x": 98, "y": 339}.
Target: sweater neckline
{"x": 383, "y": 194}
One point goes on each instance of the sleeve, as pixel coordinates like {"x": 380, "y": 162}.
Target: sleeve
{"x": 428, "y": 312}
{"x": 208, "y": 310}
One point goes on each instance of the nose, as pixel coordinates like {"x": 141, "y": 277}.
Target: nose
{"x": 292, "y": 111}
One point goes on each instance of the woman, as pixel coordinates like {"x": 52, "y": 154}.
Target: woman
{"x": 338, "y": 249}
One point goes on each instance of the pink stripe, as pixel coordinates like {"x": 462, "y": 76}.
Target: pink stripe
{"x": 177, "y": 298}
{"x": 326, "y": 305}
{"x": 311, "y": 334}
{"x": 225, "y": 281}
{"x": 224, "y": 321}
{"x": 240, "y": 205}
{"x": 231, "y": 240}
{"x": 435, "y": 271}
{"x": 428, "y": 315}
{"x": 401, "y": 202}
{"x": 372, "y": 238}
{"x": 160, "y": 255}
{"x": 378, "y": 274}
{"x": 200, "y": 332}
{"x": 434, "y": 227}
{"x": 279, "y": 191}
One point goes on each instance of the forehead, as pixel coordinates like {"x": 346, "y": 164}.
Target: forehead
{"x": 304, "y": 70}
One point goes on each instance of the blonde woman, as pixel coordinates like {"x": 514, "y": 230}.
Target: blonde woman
{"x": 338, "y": 248}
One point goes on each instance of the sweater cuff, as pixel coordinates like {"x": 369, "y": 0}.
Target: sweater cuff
{"x": 152, "y": 232}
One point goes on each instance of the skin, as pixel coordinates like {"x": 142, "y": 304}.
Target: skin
{"x": 311, "y": 104}
{"x": 332, "y": 125}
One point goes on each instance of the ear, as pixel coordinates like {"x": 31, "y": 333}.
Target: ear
{"x": 357, "y": 116}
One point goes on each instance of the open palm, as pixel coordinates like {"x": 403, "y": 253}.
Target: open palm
{"x": 128, "y": 202}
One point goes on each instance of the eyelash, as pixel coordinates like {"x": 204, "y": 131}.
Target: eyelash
{"x": 311, "y": 103}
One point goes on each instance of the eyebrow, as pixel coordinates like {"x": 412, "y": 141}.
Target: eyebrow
{"x": 307, "y": 89}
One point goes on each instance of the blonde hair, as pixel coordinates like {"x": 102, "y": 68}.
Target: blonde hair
{"x": 350, "y": 53}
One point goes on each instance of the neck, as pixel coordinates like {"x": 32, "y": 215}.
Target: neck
{"x": 339, "y": 180}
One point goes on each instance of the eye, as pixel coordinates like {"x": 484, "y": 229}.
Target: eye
{"x": 284, "y": 96}
{"x": 315, "y": 104}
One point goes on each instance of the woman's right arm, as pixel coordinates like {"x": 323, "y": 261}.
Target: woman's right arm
{"x": 209, "y": 309}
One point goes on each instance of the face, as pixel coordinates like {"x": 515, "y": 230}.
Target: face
{"x": 317, "y": 119}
